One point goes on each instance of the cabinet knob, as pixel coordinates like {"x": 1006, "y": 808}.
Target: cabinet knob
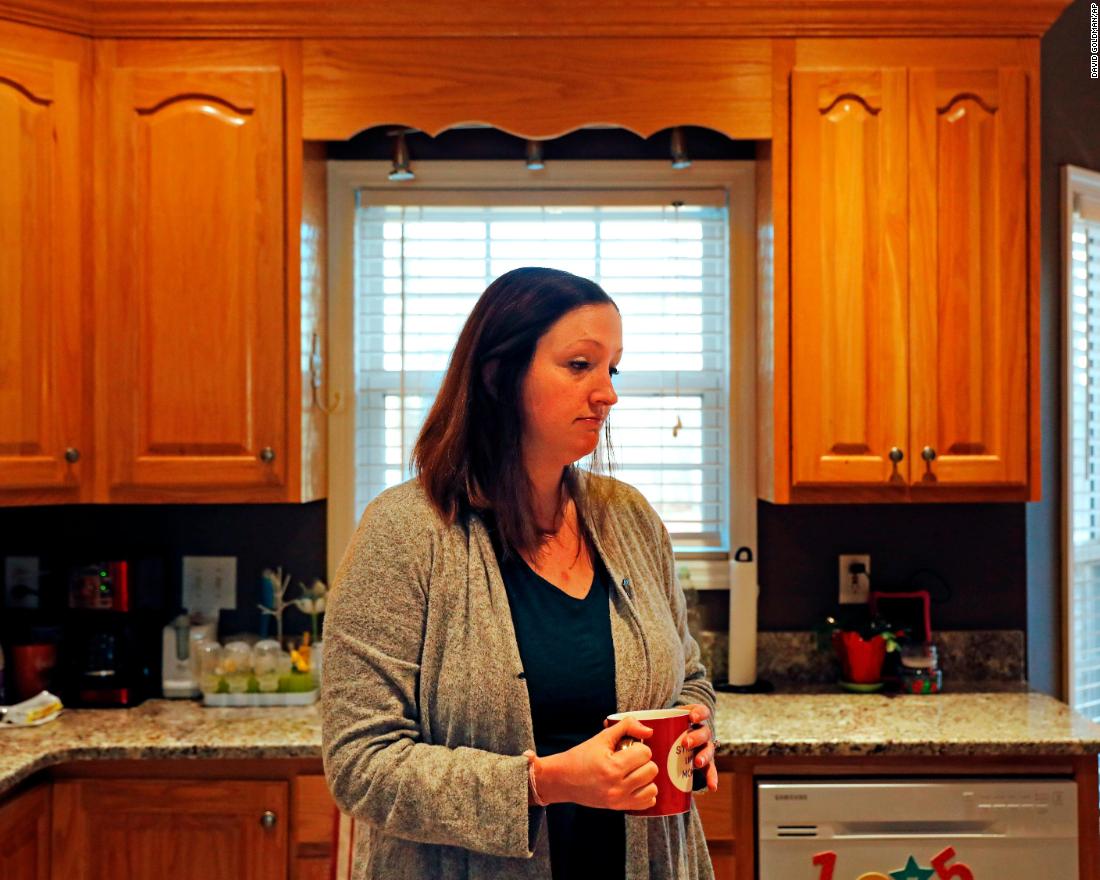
{"x": 268, "y": 819}
{"x": 896, "y": 454}
{"x": 267, "y": 454}
{"x": 72, "y": 455}
{"x": 928, "y": 453}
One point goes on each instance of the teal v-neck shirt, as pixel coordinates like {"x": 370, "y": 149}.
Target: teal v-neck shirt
{"x": 569, "y": 666}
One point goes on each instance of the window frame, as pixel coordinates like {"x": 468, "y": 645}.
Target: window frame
{"x": 1075, "y": 183}
{"x": 709, "y": 568}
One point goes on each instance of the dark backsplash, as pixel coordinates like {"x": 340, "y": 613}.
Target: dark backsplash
{"x": 259, "y": 535}
{"x": 970, "y": 557}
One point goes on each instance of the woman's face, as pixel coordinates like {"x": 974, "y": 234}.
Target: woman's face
{"x": 567, "y": 392}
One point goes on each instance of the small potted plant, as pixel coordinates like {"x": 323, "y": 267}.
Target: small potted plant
{"x": 861, "y": 646}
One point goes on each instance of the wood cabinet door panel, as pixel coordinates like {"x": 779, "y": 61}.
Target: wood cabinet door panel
{"x": 969, "y": 276}
{"x": 716, "y": 809}
{"x": 314, "y": 811}
{"x": 197, "y": 290}
{"x": 25, "y": 832}
{"x": 169, "y": 830}
{"x": 41, "y": 274}
{"x": 849, "y": 249}
{"x": 723, "y": 860}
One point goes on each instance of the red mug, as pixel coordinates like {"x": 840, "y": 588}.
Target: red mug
{"x": 33, "y": 667}
{"x": 672, "y": 757}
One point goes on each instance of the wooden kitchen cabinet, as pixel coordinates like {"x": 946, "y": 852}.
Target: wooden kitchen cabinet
{"x": 314, "y": 828}
{"x": 849, "y": 236}
{"x": 968, "y": 277}
{"x": 209, "y": 290}
{"x": 45, "y": 428}
{"x": 104, "y": 829}
{"x": 160, "y": 282}
{"x": 913, "y": 285}
{"x": 199, "y": 366}
{"x": 25, "y": 833}
{"x": 718, "y": 813}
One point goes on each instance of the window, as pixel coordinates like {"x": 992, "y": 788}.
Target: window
{"x": 1081, "y": 197}
{"x": 420, "y": 256}
{"x": 419, "y": 270}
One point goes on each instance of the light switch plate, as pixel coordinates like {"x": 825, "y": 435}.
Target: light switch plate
{"x": 209, "y": 583}
{"x": 21, "y": 581}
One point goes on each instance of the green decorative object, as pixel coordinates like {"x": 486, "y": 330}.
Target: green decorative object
{"x": 296, "y": 683}
{"x": 912, "y": 871}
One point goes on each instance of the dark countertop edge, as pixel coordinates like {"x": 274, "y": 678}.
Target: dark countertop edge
{"x": 78, "y": 754}
{"x": 968, "y": 687}
{"x": 990, "y": 749}
{"x": 974, "y": 749}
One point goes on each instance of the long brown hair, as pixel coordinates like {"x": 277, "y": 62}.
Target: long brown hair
{"x": 469, "y": 455}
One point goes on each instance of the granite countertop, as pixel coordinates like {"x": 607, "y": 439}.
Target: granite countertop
{"x": 840, "y": 724}
{"x": 817, "y": 724}
{"x": 159, "y": 729}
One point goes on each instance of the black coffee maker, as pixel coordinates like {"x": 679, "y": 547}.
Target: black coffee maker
{"x": 112, "y": 643}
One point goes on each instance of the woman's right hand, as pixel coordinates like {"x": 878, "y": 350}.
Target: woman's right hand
{"x": 594, "y": 774}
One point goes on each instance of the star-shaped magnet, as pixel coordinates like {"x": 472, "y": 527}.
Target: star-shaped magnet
{"x": 912, "y": 871}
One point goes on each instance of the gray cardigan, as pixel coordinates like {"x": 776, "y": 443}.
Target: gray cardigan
{"x": 424, "y": 714}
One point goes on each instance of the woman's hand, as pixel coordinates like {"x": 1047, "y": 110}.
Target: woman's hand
{"x": 701, "y": 741}
{"x": 593, "y": 774}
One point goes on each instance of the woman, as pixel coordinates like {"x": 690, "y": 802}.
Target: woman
{"x": 489, "y": 615}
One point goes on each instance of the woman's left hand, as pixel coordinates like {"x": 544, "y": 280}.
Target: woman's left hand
{"x": 702, "y": 743}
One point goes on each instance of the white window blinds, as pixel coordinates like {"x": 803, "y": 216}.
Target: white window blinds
{"x": 1083, "y": 443}
{"x": 420, "y": 267}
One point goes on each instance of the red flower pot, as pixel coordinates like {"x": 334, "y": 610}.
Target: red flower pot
{"x": 860, "y": 659}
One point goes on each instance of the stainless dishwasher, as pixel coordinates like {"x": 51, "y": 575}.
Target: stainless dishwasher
{"x": 917, "y": 829}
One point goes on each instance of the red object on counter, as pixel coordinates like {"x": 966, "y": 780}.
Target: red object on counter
{"x": 860, "y": 659}
{"x": 32, "y": 668}
{"x": 105, "y": 697}
{"x": 119, "y": 572}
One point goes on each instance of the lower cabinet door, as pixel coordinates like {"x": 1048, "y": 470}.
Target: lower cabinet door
{"x": 24, "y": 836}
{"x": 723, "y": 860}
{"x": 169, "y": 829}
{"x": 718, "y": 812}
{"x": 315, "y": 821}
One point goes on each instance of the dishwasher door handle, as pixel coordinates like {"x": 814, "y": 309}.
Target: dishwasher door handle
{"x": 899, "y": 830}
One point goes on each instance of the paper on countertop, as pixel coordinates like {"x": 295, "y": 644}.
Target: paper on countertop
{"x": 39, "y": 709}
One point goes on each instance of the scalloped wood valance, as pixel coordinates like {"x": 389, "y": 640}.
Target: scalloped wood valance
{"x": 535, "y": 18}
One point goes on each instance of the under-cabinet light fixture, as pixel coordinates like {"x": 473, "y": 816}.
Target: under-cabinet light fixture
{"x": 680, "y": 158}
{"x": 401, "y": 169}
{"x": 534, "y": 156}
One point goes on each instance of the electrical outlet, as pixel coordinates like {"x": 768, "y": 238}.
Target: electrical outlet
{"x": 854, "y": 589}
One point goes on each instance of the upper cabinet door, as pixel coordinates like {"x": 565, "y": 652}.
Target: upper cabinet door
{"x": 195, "y": 287}
{"x": 849, "y": 252}
{"x": 968, "y": 277}
{"x": 44, "y": 413}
